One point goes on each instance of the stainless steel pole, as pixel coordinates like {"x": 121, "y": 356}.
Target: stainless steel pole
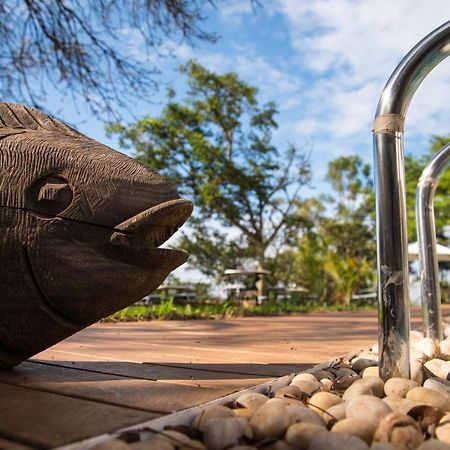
{"x": 426, "y": 233}
{"x": 393, "y": 312}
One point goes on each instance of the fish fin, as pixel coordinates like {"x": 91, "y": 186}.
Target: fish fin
{"x": 20, "y": 117}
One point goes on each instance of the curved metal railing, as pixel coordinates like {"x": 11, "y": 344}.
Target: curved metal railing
{"x": 426, "y": 234}
{"x": 391, "y": 199}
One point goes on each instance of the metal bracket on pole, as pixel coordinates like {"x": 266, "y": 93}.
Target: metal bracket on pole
{"x": 392, "y": 241}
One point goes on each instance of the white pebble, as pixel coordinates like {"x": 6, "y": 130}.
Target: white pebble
{"x": 355, "y": 390}
{"x": 252, "y": 400}
{"x": 304, "y": 376}
{"x": 399, "y": 386}
{"x": 428, "y": 346}
{"x": 271, "y": 420}
{"x": 429, "y": 397}
{"x": 223, "y": 433}
{"x": 301, "y": 434}
{"x": 371, "y": 372}
{"x": 213, "y": 412}
{"x": 444, "y": 347}
{"x": 321, "y": 401}
{"x": 375, "y": 383}
{"x": 433, "y": 444}
{"x": 436, "y": 384}
{"x": 371, "y": 408}
{"x": 357, "y": 427}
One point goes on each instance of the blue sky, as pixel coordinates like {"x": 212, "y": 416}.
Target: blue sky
{"x": 324, "y": 62}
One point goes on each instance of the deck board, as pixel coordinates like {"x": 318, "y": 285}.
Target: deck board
{"x": 6, "y": 444}
{"x": 113, "y": 375}
{"x": 139, "y": 394}
{"x": 45, "y": 420}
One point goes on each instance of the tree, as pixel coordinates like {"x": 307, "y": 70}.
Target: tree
{"x": 81, "y": 47}
{"x": 216, "y": 145}
{"x": 414, "y": 169}
{"x": 335, "y": 255}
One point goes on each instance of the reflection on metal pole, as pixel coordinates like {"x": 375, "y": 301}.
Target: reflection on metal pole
{"x": 426, "y": 233}
{"x": 391, "y": 199}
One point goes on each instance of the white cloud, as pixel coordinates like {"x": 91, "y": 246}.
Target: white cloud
{"x": 234, "y": 10}
{"x": 350, "y": 48}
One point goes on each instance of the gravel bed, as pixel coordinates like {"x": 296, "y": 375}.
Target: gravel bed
{"x": 339, "y": 406}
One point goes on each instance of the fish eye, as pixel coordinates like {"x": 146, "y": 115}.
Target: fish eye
{"x": 49, "y": 195}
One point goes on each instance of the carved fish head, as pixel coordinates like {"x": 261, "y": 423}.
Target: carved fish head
{"x": 80, "y": 230}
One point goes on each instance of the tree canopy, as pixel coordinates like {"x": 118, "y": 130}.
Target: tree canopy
{"x": 216, "y": 145}
{"x": 335, "y": 255}
{"x": 414, "y": 169}
{"x": 83, "y": 47}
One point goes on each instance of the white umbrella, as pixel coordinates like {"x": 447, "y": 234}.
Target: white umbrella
{"x": 443, "y": 252}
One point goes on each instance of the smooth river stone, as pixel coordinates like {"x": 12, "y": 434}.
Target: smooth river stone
{"x": 300, "y": 435}
{"x": 271, "y": 420}
{"x": 375, "y": 383}
{"x": 436, "y": 384}
{"x": 158, "y": 442}
{"x": 289, "y": 391}
{"x": 399, "y": 386}
{"x": 305, "y": 376}
{"x": 335, "y": 413}
{"x": 252, "y": 400}
{"x": 371, "y": 408}
{"x": 243, "y": 412}
{"x": 113, "y": 444}
{"x": 355, "y": 390}
{"x": 308, "y": 387}
{"x": 357, "y": 427}
{"x": 323, "y": 401}
{"x": 443, "y": 429}
{"x": 399, "y": 404}
{"x": 415, "y": 336}
{"x": 428, "y": 346}
{"x": 439, "y": 367}
{"x": 400, "y": 430}
{"x": 302, "y": 414}
{"x": 223, "y": 433}
{"x": 417, "y": 372}
{"x": 321, "y": 373}
{"x": 433, "y": 444}
{"x": 427, "y": 396}
{"x": 382, "y": 446}
{"x": 326, "y": 383}
{"x": 444, "y": 348}
{"x": 361, "y": 364}
{"x": 213, "y": 412}
{"x": 371, "y": 372}
{"x": 344, "y": 372}
{"x": 337, "y": 441}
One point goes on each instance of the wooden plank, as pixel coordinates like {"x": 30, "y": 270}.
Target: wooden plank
{"x": 6, "y": 444}
{"x": 153, "y": 396}
{"x": 179, "y": 418}
{"x": 171, "y": 371}
{"x": 46, "y": 420}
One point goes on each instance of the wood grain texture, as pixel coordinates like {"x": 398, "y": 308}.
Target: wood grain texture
{"x": 79, "y": 229}
{"x": 152, "y": 396}
{"x": 45, "y": 420}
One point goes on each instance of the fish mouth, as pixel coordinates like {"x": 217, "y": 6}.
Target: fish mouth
{"x": 154, "y": 226}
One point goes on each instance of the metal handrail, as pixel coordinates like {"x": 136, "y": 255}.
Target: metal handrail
{"x": 390, "y": 192}
{"x": 426, "y": 234}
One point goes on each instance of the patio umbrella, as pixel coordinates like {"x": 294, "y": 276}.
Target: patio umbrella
{"x": 443, "y": 252}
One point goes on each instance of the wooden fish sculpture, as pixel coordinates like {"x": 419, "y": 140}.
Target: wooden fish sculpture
{"x": 80, "y": 227}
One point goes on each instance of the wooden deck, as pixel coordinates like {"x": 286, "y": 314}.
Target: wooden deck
{"x": 114, "y": 375}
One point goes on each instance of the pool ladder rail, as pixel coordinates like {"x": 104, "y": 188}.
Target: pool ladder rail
{"x": 390, "y": 194}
